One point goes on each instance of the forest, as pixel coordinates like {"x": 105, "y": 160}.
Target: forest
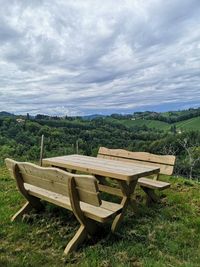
{"x": 20, "y": 136}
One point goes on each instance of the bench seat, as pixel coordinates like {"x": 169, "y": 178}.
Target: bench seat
{"x": 78, "y": 193}
{"x": 101, "y": 214}
{"x": 150, "y": 184}
{"x": 153, "y": 184}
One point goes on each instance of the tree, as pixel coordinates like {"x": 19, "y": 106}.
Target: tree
{"x": 193, "y": 155}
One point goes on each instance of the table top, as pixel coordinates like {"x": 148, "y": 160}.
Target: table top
{"x": 104, "y": 167}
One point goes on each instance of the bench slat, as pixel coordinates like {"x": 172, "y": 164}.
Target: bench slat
{"x": 100, "y": 214}
{"x": 165, "y": 169}
{"x": 164, "y": 162}
{"x": 55, "y": 180}
{"x": 49, "y": 184}
{"x": 143, "y": 156}
{"x": 153, "y": 184}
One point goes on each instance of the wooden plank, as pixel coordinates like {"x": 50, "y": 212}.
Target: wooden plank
{"x": 110, "y": 190}
{"x": 55, "y": 198}
{"x": 96, "y": 164}
{"x": 79, "y": 237}
{"x": 164, "y": 169}
{"x": 74, "y": 201}
{"x": 14, "y": 169}
{"x": 57, "y": 175}
{"x": 153, "y": 184}
{"x": 99, "y": 214}
{"x": 47, "y": 184}
{"x": 102, "y": 167}
{"x": 53, "y": 174}
{"x": 56, "y": 180}
{"x": 9, "y": 164}
{"x": 110, "y": 165}
{"x": 25, "y": 209}
{"x": 87, "y": 188}
{"x": 142, "y": 156}
{"x": 89, "y": 197}
{"x": 86, "y": 182}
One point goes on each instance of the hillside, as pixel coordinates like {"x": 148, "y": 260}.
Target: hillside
{"x": 6, "y": 114}
{"x": 185, "y": 125}
{"x": 191, "y": 124}
{"x": 167, "y": 234}
{"x": 141, "y": 122}
{"x": 20, "y": 136}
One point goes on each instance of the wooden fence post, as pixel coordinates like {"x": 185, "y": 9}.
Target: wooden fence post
{"x": 41, "y": 149}
{"x": 76, "y": 146}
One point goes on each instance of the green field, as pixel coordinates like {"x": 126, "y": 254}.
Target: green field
{"x": 191, "y": 124}
{"x": 167, "y": 234}
{"x": 139, "y": 122}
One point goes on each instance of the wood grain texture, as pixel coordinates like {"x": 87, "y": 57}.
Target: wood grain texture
{"x": 56, "y": 180}
{"x": 104, "y": 167}
{"x": 153, "y": 184}
{"x": 78, "y": 193}
{"x": 164, "y": 162}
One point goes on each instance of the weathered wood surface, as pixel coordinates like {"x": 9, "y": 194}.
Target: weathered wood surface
{"x": 164, "y": 162}
{"x": 78, "y": 193}
{"x": 125, "y": 173}
{"x": 104, "y": 167}
{"x": 153, "y": 184}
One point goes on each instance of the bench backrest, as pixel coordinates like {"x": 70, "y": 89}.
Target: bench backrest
{"x": 55, "y": 180}
{"x": 164, "y": 162}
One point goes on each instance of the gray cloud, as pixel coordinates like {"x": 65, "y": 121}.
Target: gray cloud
{"x": 82, "y": 57}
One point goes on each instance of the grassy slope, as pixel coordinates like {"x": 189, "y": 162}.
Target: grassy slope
{"x": 139, "y": 122}
{"x": 191, "y": 124}
{"x": 166, "y": 235}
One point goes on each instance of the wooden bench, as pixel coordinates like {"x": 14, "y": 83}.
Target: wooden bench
{"x": 78, "y": 193}
{"x": 164, "y": 162}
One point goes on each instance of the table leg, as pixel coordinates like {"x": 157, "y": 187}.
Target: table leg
{"x": 127, "y": 190}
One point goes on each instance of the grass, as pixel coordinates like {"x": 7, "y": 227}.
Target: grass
{"x": 139, "y": 122}
{"x": 190, "y": 124}
{"x": 168, "y": 234}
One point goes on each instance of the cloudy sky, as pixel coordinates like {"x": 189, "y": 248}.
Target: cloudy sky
{"x": 78, "y": 57}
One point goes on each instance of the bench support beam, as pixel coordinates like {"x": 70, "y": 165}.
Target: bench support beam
{"x": 79, "y": 237}
{"x": 151, "y": 196}
{"x": 25, "y": 209}
{"x": 127, "y": 190}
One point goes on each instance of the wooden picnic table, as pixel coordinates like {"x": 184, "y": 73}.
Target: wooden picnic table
{"x": 125, "y": 173}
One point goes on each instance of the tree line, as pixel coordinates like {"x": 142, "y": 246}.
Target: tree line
{"x": 20, "y": 139}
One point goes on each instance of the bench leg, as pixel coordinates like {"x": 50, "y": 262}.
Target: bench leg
{"x": 36, "y": 204}
{"x": 84, "y": 231}
{"x": 127, "y": 190}
{"x": 118, "y": 219}
{"x": 151, "y": 196}
{"x": 25, "y": 209}
{"x": 79, "y": 237}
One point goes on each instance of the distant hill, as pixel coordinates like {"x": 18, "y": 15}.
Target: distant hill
{"x": 191, "y": 124}
{"x": 170, "y": 116}
{"x": 6, "y": 114}
{"x": 185, "y": 125}
{"x": 94, "y": 116}
{"x": 184, "y": 120}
